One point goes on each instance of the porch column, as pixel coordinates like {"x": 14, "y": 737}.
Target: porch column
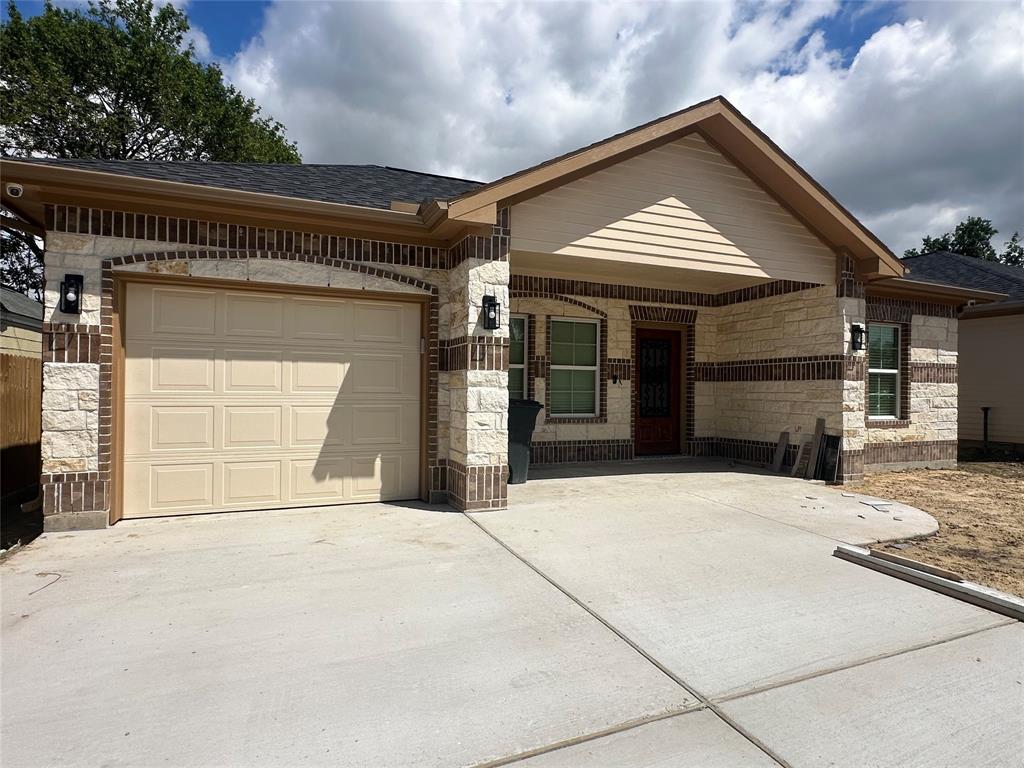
{"x": 477, "y": 364}
{"x": 850, "y": 297}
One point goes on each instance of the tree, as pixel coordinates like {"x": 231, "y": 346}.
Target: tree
{"x": 115, "y": 80}
{"x": 1014, "y": 253}
{"x": 972, "y": 237}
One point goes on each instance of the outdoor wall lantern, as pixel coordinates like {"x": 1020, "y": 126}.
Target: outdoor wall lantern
{"x": 856, "y": 337}
{"x": 492, "y": 313}
{"x": 71, "y": 294}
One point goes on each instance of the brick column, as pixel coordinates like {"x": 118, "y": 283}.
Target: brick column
{"x": 477, "y": 362}
{"x": 75, "y": 486}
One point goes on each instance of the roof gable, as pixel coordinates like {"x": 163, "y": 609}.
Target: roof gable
{"x": 680, "y": 205}
{"x": 734, "y": 136}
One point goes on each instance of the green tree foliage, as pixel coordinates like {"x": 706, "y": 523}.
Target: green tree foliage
{"x": 115, "y": 80}
{"x": 973, "y": 237}
{"x": 1014, "y": 253}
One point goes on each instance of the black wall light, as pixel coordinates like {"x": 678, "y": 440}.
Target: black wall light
{"x": 71, "y": 294}
{"x": 856, "y": 337}
{"x": 492, "y": 313}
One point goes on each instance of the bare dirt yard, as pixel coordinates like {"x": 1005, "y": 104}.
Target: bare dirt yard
{"x": 980, "y": 509}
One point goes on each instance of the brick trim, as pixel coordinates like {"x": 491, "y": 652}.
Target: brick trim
{"x": 474, "y": 353}
{"x": 620, "y": 369}
{"x": 71, "y": 343}
{"x": 847, "y": 284}
{"x": 91, "y": 491}
{"x": 521, "y": 285}
{"x": 689, "y": 375}
{"x": 810, "y": 368}
{"x": 560, "y": 297}
{"x": 532, "y": 363}
{"x": 745, "y": 451}
{"x": 85, "y": 493}
{"x": 893, "y": 310}
{"x": 934, "y": 373}
{"x": 855, "y": 368}
{"x": 851, "y": 465}
{"x": 601, "y": 417}
{"x": 648, "y": 313}
{"x": 573, "y": 451}
{"x": 495, "y": 247}
{"x": 185, "y": 231}
{"x": 477, "y": 487}
{"x": 913, "y": 452}
{"x": 905, "y": 379}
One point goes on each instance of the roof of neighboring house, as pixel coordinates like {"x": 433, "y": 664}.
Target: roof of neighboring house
{"x": 18, "y": 305}
{"x": 373, "y": 186}
{"x": 949, "y": 268}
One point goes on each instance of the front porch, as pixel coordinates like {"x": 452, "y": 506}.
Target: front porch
{"x": 627, "y": 370}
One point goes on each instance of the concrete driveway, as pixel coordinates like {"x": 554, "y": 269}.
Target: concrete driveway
{"x": 671, "y": 613}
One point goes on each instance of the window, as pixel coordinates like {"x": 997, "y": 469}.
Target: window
{"x": 517, "y": 357}
{"x": 883, "y": 371}
{"x": 573, "y": 385}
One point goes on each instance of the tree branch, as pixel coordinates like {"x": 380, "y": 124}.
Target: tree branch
{"x": 26, "y": 239}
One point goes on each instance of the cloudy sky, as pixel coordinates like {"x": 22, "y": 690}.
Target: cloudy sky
{"x": 911, "y": 114}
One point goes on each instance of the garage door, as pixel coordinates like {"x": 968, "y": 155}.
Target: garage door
{"x": 237, "y": 399}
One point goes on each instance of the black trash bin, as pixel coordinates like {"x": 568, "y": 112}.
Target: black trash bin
{"x": 522, "y": 418}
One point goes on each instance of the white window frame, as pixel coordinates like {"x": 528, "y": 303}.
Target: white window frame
{"x": 899, "y": 352}
{"x": 526, "y": 348}
{"x": 596, "y": 367}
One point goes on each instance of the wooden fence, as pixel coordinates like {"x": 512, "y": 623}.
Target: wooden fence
{"x": 21, "y": 391}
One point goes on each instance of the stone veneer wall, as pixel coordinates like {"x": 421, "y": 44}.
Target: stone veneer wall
{"x": 762, "y": 360}
{"x": 467, "y": 463}
{"x": 926, "y": 433}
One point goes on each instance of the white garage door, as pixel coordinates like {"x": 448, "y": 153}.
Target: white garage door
{"x": 237, "y": 399}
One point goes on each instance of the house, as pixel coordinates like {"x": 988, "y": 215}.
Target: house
{"x": 991, "y": 336}
{"x": 21, "y": 324}
{"x": 253, "y": 337}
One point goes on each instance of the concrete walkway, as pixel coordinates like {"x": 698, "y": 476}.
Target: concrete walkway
{"x": 672, "y": 614}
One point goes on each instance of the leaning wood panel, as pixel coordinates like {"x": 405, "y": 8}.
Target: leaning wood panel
{"x": 21, "y": 391}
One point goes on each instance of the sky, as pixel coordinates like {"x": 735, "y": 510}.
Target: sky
{"x": 911, "y": 114}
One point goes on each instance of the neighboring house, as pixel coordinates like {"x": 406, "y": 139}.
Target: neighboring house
{"x": 21, "y": 324}
{"x": 991, "y": 369}
{"x": 262, "y": 336}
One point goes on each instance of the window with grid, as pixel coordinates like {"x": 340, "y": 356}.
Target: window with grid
{"x": 517, "y": 330}
{"x": 883, "y": 371}
{"x": 573, "y": 384}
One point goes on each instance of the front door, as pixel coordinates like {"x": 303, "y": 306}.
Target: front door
{"x": 657, "y": 391}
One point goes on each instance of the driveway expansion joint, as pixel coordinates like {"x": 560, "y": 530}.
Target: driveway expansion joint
{"x": 705, "y": 702}
{"x": 861, "y": 662}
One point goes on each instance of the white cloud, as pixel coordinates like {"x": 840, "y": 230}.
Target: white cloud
{"x": 924, "y": 124}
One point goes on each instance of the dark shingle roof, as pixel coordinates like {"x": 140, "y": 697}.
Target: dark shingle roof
{"x": 966, "y": 272}
{"x": 373, "y": 186}
{"x": 18, "y": 304}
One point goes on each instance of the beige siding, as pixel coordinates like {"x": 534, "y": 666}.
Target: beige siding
{"x": 991, "y": 372}
{"x": 681, "y": 205}
{"x": 21, "y": 341}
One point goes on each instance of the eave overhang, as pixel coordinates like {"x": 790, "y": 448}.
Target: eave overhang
{"x": 901, "y": 287}
{"x": 60, "y": 185}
